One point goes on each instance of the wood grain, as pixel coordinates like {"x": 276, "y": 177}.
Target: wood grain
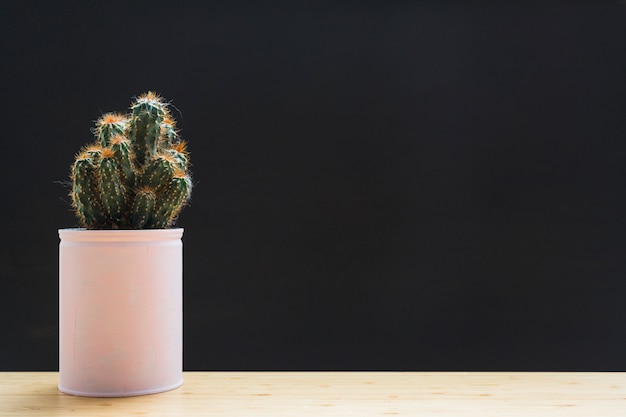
{"x": 354, "y": 394}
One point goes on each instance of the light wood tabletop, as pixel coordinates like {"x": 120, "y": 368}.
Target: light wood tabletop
{"x": 354, "y": 394}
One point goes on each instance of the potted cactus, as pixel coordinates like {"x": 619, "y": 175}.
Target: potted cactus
{"x": 120, "y": 273}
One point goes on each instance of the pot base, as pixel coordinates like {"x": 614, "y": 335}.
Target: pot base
{"x": 120, "y": 394}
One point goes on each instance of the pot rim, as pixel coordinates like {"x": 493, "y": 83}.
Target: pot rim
{"x": 120, "y": 235}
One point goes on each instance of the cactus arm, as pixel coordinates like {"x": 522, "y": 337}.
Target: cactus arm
{"x": 144, "y": 135}
{"x": 112, "y": 190}
{"x": 109, "y": 126}
{"x": 178, "y": 159}
{"x": 121, "y": 150}
{"x": 86, "y": 193}
{"x": 142, "y": 209}
{"x": 169, "y": 135}
{"x": 93, "y": 153}
{"x": 171, "y": 202}
{"x": 148, "y": 112}
{"x": 158, "y": 174}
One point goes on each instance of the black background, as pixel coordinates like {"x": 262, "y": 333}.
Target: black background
{"x": 378, "y": 185}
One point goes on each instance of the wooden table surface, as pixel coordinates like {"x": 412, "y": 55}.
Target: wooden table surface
{"x": 354, "y": 394}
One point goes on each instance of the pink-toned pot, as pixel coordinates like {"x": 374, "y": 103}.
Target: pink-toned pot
{"x": 120, "y": 311}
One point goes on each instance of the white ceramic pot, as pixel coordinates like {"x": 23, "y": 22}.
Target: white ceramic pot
{"x": 120, "y": 311}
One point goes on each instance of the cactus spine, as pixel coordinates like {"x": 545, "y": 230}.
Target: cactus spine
{"x": 135, "y": 175}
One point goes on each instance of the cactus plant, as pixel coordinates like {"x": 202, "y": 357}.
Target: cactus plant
{"x": 135, "y": 175}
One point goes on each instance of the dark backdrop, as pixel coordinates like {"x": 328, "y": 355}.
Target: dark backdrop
{"x": 378, "y": 185}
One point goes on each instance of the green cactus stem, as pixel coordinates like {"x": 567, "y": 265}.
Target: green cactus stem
{"x": 113, "y": 192}
{"x": 158, "y": 174}
{"x": 143, "y": 207}
{"x": 171, "y": 201}
{"x": 148, "y": 112}
{"x": 178, "y": 157}
{"x": 93, "y": 153}
{"x": 169, "y": 135}
{"x": 85, "y": 192}
{"x": 109, "y": 126}
{"x": 121, "y": 149}
{"x": 136, "y": 173}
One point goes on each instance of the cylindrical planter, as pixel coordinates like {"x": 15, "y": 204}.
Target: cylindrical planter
{"x": 120, "y": 311}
